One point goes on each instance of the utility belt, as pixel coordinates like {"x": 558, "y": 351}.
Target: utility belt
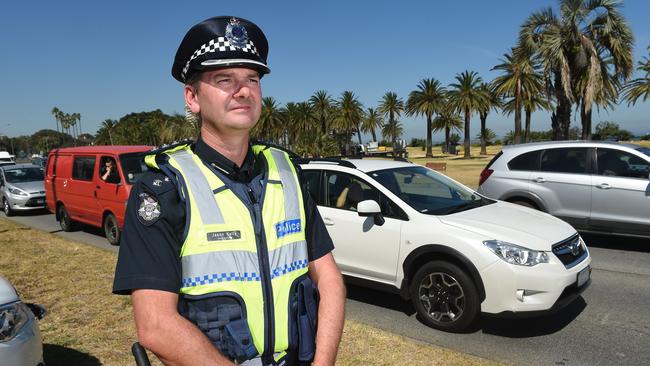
{"x": 222, "y": 318}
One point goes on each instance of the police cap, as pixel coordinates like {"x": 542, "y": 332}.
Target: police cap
{"x": 220, "y": 42}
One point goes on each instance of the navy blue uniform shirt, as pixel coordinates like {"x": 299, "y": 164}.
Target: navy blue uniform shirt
{"x": 149, "y": 256}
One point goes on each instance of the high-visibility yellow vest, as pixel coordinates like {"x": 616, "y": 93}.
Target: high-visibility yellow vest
{"x": 235, "y": 245}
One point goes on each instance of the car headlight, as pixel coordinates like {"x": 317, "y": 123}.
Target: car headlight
{"x": 515, "y": 254}
{"x": 18, "y": 192}
{"x": 12, "y": 318}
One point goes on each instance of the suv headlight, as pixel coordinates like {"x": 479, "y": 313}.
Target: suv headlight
{"x": 515, "y": 254}
{"x": 12, "y": 318}
{"x": 18, "y": 192}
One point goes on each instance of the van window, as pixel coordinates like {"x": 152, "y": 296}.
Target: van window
{"x": 82, "y": 168}
{"x": 528, "y": 161}
{"x": 133, "y": 167}
{"x": 564, "y": 160}
{"x": 108, "y": 170}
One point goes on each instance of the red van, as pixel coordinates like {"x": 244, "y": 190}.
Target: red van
{"x": 91, "y": 184}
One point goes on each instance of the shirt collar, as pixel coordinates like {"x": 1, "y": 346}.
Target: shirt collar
{"x": 212, "y": 157}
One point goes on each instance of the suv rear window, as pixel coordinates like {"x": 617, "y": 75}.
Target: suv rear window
{"x": 525, "y": 161}
{"x": 564, "y": 160}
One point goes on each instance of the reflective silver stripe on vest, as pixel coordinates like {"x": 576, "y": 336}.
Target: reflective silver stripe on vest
{"x": 289, "y": 186}
{"x": 239, "y": 265}
{"x": 198, "y": 184}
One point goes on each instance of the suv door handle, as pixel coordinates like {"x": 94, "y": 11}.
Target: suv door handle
{"x": 539, "y": 180}
{"x": 328, "y": 221}
{"x": 603, "y": 186}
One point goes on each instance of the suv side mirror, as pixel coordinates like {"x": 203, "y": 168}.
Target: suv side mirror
{"x": 369, "y": 208}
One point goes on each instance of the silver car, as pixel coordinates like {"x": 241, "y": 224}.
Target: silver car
{"x": 600, "y": 187}
{"x": 21, "y": 188}
{"x": 20, "y": 337}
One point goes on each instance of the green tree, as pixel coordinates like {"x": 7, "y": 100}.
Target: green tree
{"x": 270, "y": 125}
{"x": 585, "y": 50}
{"x": 493, "y": 101}
{"x": 449, "y": 121}
{"x": 639, "y": 87}
{"x": 426, "y": 100}
{"x": 371, "y": 121}
{"x": 608, "y": 130}
{"x": 349, "y": 116}
{"x": 323, "y": 105}
{"x": 466, "y": 97}
{"x": 391, "y": 107}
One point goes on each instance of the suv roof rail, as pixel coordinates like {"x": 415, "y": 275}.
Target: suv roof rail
{"x": 332, "y": 160}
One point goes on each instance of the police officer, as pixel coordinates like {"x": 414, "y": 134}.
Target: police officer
{"x": 225, "y": 257}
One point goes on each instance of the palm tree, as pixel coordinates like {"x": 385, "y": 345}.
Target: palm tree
{"x": 290, "y": 118}
{"x": 350, "y": 113}
{"x": 322, "y": 103}
{"x": 493, "y": 101}
{"x": 56, "y": 112}
{"x": 269, "y": 126}
{"x": 391, "y": 107}
{"x": 447, "y": 120}
{"x": 307, "y": 126}
{"x": 427, "y": 100}
{"x": 576, "y": 46}
{"x": 371, "y": 121}
{"x": 639, "y": 87}
{"x": 521, "y": 79}
{"x": 392, "y": 131}
{"x": 466, "y": 97}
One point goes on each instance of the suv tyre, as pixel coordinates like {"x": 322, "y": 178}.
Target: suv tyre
{"x": 444, "y": 296}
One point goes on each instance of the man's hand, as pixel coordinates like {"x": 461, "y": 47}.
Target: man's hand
{"x": 331, "y": 310}
{"x": 172, "y": 338}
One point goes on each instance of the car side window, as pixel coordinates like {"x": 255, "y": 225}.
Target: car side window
{"x": 311, "y": 180}
{"x": 617, "y": 163}
{"x": 528, "y": 161}
{"x": 345, "y": 191}
{"x": 564, "y": 160}
{"x": 82, "y": 168}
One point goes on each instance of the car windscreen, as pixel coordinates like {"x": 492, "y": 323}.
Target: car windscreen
{"x": 133, "y": 167}
{"x": 427, "y": 191}
{"x": 644, "y": 150}
{"x": 22, "y": 175}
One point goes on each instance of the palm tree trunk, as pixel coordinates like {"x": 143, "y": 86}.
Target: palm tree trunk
{"x": 359, "y": 136}
{"x": 527, "y": 130}
{"x": 517, "y": 136}
{"x": 563, "y": 112}
{"x": 374, "y": 136}
{"x": 429, "y": 153}
{"x": 483, "y": 142}
{"x": 585, "y": 118}
{"x": 447, "y": 133}
{"x": 467, "y": 134}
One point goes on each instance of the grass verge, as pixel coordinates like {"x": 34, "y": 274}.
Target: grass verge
{"x": 87, "y": 325}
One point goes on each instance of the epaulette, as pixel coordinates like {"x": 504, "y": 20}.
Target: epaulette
{"x": 157, "y": 182}
{"x": 162, "y": 148}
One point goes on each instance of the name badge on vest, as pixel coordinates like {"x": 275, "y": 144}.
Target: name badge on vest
{"x": 287, "y": 227}
{"x": 224, "y": 235}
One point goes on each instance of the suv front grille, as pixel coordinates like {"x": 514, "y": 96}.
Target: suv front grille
{"x": 570, "y": 252}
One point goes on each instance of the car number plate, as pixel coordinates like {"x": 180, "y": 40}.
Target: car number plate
{"x": 583, "y": 276}
{"x": 40, "y": 201}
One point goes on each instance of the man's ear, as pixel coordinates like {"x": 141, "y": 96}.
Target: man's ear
{"x": 191, "y": 99}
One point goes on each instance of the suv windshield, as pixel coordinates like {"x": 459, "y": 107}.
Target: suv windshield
{"x": 427, "y": 191}
{"x": 133, "y": 167}
{"x": 22, "y": 175}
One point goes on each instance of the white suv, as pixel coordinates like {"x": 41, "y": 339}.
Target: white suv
{"x": 455, "y": 253}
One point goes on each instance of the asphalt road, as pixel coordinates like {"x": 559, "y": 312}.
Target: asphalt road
{"x": 608, "y": 325}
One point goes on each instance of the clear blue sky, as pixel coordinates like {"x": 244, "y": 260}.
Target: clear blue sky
{"x": 104, "y": 59}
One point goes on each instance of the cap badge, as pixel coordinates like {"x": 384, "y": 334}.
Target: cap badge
{"x": 236, "y": 33}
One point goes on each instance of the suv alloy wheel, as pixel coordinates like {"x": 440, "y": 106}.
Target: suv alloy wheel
{"x": 444, "y": 296}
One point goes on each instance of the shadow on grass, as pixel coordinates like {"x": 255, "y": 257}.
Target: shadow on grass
{"x": 534, "y": 326}
{"x": 378, "y": 298}
{"x": 55, "y": 355}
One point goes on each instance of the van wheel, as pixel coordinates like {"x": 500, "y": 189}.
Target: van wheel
{"x": 6, "y": 207}
{"x": 111, "y": 229}
{"x": 64, "y": 219}
{"x": 444, "y": 296}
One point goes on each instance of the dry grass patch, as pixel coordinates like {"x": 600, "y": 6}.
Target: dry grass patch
{"x": 87, "y": 325}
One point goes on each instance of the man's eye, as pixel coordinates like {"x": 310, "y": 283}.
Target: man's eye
{"x": 223, "y": 81}
{"x": 254, "y": 81}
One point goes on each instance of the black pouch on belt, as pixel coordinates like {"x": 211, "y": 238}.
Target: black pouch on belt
{"x": 307, "y": 319}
